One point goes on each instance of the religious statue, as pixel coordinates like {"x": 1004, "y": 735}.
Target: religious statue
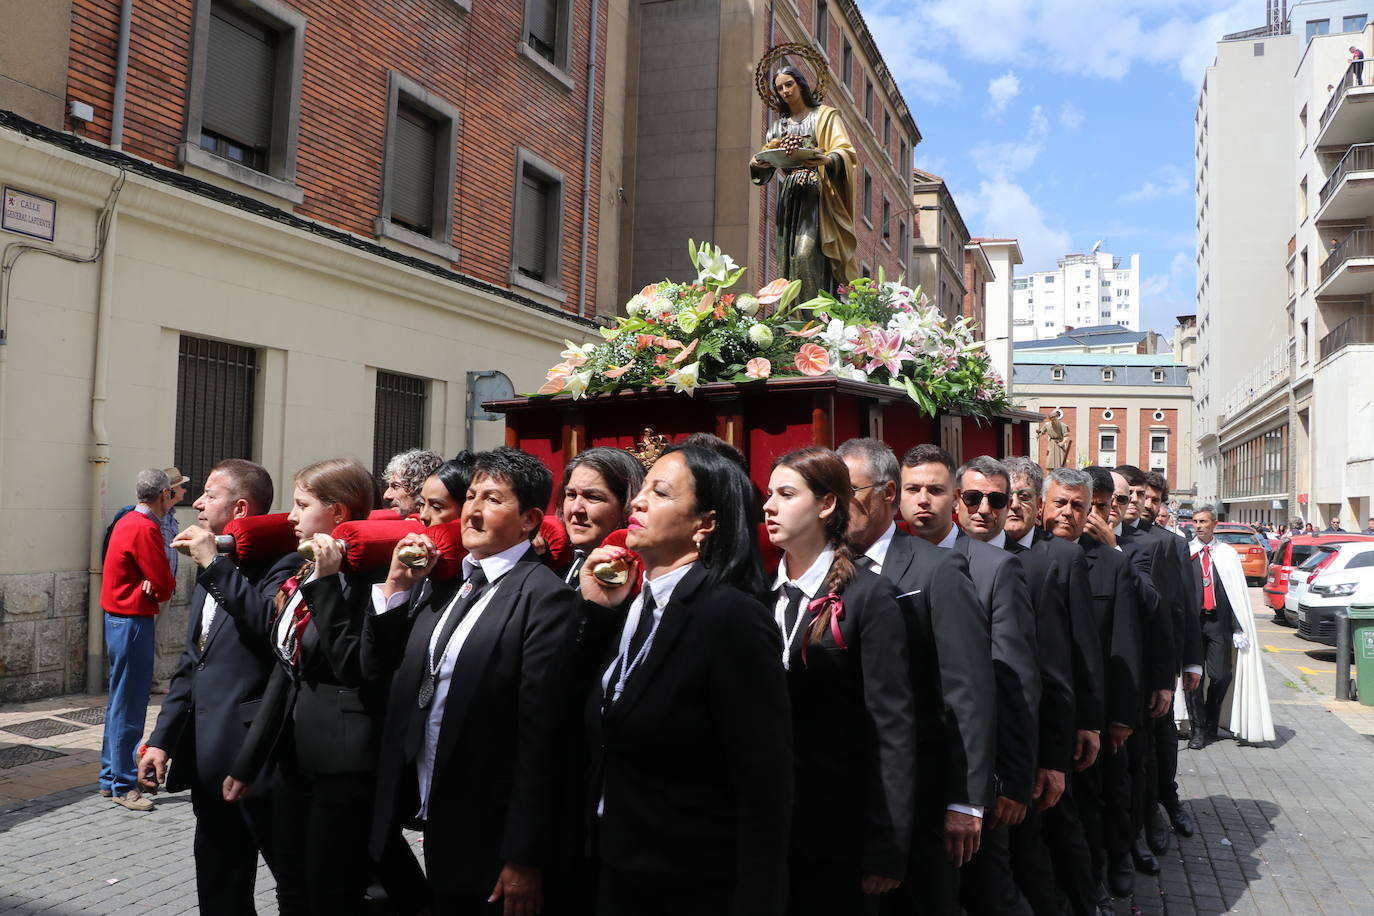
{"x": 813, "y": 234}
{"x": 1060, "y": 442}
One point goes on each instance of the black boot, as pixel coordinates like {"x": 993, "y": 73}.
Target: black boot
{"x": 1182, "y": 821}
{"x": 1120, "y": 874}
{"x": 1157, "y": 831}
{"x": 1145, "y": 861}
{"x": 1197, "y": 718}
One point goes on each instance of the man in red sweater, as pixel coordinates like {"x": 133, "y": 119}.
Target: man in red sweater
{"x": 137, "y": 579}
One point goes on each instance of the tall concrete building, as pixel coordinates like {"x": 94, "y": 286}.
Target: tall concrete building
{"x": 1281, "y": 312}
{"x": 1085, "y": 289}
{"x": 1003, "y": 255}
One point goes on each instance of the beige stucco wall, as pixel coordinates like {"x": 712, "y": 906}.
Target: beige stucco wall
{"x": 33, "y": 58}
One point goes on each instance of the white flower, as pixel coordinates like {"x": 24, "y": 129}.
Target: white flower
{"x": 636, "y": 305}
{"x": 761, "y": 335}
{"x": 575, "y": 355}
{"x": 712, "y": 264}
{"x": 855, "y": 373}
{"x": 578, "y": 382}
{"x": 839, "y": 337}
{"x": 908, "y": 324}
{"x": 749, "y": 305}
{"x": 685, "y": 378}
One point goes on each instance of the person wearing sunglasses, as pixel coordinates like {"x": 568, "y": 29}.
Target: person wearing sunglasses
{"x": 927, "y": 498}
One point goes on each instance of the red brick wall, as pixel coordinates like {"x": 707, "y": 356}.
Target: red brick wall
{"x": 1170, "y": 422}
{"x": 467, "y": 59}
{"x": 1096, "y": 420}
{"x": 1070, "y": 419}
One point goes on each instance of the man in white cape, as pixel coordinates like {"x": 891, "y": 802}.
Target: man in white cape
{"x": 1236, "y": 698}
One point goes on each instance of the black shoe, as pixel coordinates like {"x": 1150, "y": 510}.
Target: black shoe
{"x": 1182, "y": 821}
{"x": 1145, "y": 861}
{"x": 1120, "y": 875}
{"x": 1157, "y": 831}
{"x": 1195, "y": 742}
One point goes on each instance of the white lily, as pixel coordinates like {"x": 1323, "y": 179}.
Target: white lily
{"x": 839, "y": 337}
{"x": 578, "y": 382}
{"x": 685, "y": 378}
{"x": 576, "y": 354}
{"x": 713, "y": 264}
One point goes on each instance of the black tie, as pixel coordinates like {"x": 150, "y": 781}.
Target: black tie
{"x": 575, "y": 570}
{"x": 478, "y": 581}
{"x": 863, "y": 562}
{"x": 789, "y": 617}
{"x": 1015, "y": 546}
{"x": 638, "y": 638}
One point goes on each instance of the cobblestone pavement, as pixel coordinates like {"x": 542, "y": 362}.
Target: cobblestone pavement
{"x": 1282, "y": 829}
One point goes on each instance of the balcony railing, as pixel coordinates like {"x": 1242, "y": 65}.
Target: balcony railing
{"x": 1358, "y": 244}
{"x": 1338, "y": 92}
{"x": 1357, "y": 330}
{"x": 1359, "y": 158}
{"x": 1271, "y": 372}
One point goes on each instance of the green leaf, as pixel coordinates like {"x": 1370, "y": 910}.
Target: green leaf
{"x": 692, "y": 252}
{"x": 791, "y": 292}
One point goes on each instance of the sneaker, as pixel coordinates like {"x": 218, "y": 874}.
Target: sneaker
{"x": 134, "y": 800}
{"x": 105, "y": 793}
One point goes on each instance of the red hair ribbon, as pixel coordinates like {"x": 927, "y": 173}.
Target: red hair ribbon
{"x": 833, "y": 604}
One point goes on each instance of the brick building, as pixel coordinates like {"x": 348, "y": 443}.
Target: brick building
{"x": 1119, "y": 408}
{"x": 692, "y": 119}
{"x": 274, "y": 229}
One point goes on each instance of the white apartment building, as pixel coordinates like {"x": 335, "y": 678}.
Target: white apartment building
{"x": 1282, "y": 303}
{"x": 1085, "y": 289}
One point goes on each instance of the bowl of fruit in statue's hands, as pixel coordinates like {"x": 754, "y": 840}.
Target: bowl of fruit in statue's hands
{"x": 788, "y": 152}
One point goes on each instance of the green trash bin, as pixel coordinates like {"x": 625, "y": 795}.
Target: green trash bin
{"x": 1362, "y": 642}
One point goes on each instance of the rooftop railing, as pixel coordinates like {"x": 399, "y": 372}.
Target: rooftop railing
{"x": 1269, "y": 373}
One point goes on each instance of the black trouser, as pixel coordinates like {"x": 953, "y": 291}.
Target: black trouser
{"x": 931, "y": 887}
{"x": 1216, "y": 655}
{"x": 1066, "y": 837}
{"x": 821, "y": 888}
{"x": 622, "y": 893}
{"x": 986, "y": 884}
{"x": 1115, "y": 778}
{"x": 227, "y": 840}
{"x": 1031, "y": 865}
{"x": 1164, "y": 732}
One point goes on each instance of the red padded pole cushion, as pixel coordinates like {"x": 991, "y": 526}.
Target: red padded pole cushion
{"x": 559, "y": 555}
{"x": 448, "y": 543}
{"x": 261, "y": 538}
{"x": 371, "y": 542}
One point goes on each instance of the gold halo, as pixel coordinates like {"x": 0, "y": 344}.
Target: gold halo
{"x": 763, "y": 82}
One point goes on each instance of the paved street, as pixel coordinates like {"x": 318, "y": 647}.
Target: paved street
{"x": 1281, "y": 829}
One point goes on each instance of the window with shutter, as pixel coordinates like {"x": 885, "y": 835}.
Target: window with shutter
{"x": 398, "y": 422}
{"x": 216, "y": 385}
{"x": 240, "y": 87}
{"x": 412, "y": 170}
{"x": 531, "y": 228}
{"x": 868, "y": 198}
{"x": 822, "y": 25}
{"x": 887, "y": 216}
{"x": 541, "y": 28}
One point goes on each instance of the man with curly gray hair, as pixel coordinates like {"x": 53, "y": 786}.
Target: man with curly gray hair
{"x": 404, "y": 476}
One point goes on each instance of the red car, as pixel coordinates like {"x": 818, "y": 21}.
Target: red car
{"x": 1291, "y": 553}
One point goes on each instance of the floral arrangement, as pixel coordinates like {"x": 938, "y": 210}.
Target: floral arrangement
{"x": 682, "y": 335}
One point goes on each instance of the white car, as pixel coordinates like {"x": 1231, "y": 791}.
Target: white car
{"x": 1332, "y": 578}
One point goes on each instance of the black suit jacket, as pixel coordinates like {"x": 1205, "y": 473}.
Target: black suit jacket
{"x": 215, "y": 694}
{"x": 695, "y": 758}
{"x": 494, "y": 766}
{"x": 1071, "y": 668}
{"x": 949, "y": 643}
{"x": 1001, "y": 586}
{"x": 322, "y": 716}
{"x": 1174, "y": 572}
{"x": 854, "y": 734}
{"x": 1118, "y": 611}
{"x": 1148, "y": 559}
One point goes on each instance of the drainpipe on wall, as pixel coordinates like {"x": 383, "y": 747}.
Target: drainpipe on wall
{"x": 121, "y": 83}
{"x": 587, "y": 162}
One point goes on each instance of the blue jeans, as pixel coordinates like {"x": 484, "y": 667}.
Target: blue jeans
{"x": 130, "y": 643}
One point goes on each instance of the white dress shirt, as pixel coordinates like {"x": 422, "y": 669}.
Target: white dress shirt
{"x": 1027, "y": 540}
{"x": 286, "y": 621}
{"x": 207, "y": 616}
{"x": 950, "y": 537}
{"x": 999, "y": 540}
{"x": 878, "y": 551}
{"x": 494, "y": 567}
{"x": 810, "y": 583}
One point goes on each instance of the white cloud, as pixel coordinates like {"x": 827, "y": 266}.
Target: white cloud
{"x": 1002, "y": 90}
{"x": 1004, "y": 209}
{"x": 1094, "y": 38}
{"x": 999, "y": 159}
{"x": 1170, "y": 181}
{"x": 902, "y": 39}
{"x": 1070, "y": 118}
{"x": 1165, "y": 295}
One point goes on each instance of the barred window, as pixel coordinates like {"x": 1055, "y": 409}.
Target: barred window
{"x": 216, "y": 403}
{"x": 399, "y": 419}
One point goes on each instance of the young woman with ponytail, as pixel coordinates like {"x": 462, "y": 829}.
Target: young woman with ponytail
{"x": 843, "y": 642}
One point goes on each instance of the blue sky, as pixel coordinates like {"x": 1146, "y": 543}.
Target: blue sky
{"x": 1065, "y": 122}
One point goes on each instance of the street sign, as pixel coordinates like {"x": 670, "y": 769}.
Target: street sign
{"x": 28, "y": 214}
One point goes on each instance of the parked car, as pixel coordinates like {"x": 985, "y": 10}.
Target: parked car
{"x": 1254, "y": 558}
{"x": 1290, "y": 554}
{"x": 1333, "y": 577}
